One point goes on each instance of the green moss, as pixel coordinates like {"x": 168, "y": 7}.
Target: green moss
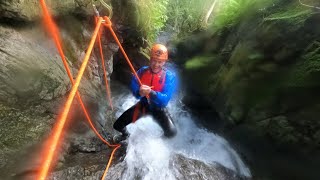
{"x": 282, "y": 130}
{"x": 70, "y": 51}
{"x": 263, "y": 89}
{"x": 72, "y": 37}
{"x": 21, "y": 127}
{"x": 74, "y": 28}
{"x": 200, "y": 70}
{"x": 248, "y": 79}
{"x": 306, "y": 72}
{"x": 241, "y": 65}
{"x": 198, "y": 62}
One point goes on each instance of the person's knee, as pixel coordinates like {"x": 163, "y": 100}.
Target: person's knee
{"x": 117, "y": 126}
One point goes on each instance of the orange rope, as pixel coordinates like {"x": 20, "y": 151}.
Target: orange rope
{"x": 110, "y": 160}
{"x": 51, "y": 27}
{"x": 104, "y": 69}
{"x": 58, "y": 128}
{"x": 108, "y": 25}
{"x": 53, "y": 30}
{"x": 56, "y": 136}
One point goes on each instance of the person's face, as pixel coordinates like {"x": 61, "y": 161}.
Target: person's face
{"x": 156, "y": 65}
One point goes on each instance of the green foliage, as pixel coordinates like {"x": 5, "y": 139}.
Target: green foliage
{"x": 231, "y": 11}
{"x": 151, "y": 17}
{"x": 293, "y": 13}
{"x": 147, "y": 17}
{"x": 186, "y": 16}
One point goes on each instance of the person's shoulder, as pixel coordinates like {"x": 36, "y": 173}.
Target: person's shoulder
{"x": 170, "y": 73}
{"x": 143, "y": 68}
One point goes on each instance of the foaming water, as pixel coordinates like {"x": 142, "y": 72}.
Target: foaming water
{"x": 149, "y": 154}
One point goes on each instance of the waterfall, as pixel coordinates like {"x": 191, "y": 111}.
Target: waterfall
{"x": 149, "y": 155}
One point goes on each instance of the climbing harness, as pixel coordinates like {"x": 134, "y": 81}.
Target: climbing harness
{"x": 55, "y": 139}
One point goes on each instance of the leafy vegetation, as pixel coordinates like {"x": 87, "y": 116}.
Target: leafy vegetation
{"x": 294, "y": 14}
{"x": 186, "y": 16}
{"x": 148, "y": 17}
{"x": 152, "y": 17}
{"x": 231, "y": 11}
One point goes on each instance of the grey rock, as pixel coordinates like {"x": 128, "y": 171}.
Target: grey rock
{"x": 29, "y": 71}
{"x": 30, "y": 10}
{"x": 77, "y": 172}
{"x": 183, "y": 169}
{"x": 33, "y": 88}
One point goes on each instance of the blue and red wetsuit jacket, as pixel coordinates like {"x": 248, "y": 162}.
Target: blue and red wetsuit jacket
{"x": 164, "y": 84}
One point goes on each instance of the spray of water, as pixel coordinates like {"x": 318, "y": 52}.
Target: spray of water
{"x": 149, "y": 155}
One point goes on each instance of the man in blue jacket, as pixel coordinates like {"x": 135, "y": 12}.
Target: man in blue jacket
{"x": 158, "y": 85}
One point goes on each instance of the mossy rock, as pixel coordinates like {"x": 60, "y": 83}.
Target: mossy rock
{"x": 280, "y": 129}
{"x": 20, "y": 127}
{"x": 306, "y": 72}
{"x": 199, "y": 71}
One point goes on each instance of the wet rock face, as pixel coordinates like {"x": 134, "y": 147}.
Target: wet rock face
{"x": 34, "y": 85}
{"x": 30, "y": 10}
{"x": 31, "y": 76}
{"x": 262, "y": 77}
{"x": 263, "y": 74}
{"x": 78, "y": 172}
{"x": 20, "y": 129}
{"x": 193, "y": 169}
{"x": 182, "y": 169}
{"x": 29, "y": 72}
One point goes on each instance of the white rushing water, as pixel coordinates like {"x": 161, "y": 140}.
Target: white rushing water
{"x": 148, "y": 153}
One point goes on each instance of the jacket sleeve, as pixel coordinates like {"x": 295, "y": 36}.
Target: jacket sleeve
{"x": 161, "y": 99}
{"x": 134, "y": 85}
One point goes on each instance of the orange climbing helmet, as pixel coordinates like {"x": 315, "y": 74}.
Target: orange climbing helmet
{"x": 159, "y": 52}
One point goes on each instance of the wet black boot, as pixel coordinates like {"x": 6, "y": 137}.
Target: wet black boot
{"x": 120, "y": 137}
